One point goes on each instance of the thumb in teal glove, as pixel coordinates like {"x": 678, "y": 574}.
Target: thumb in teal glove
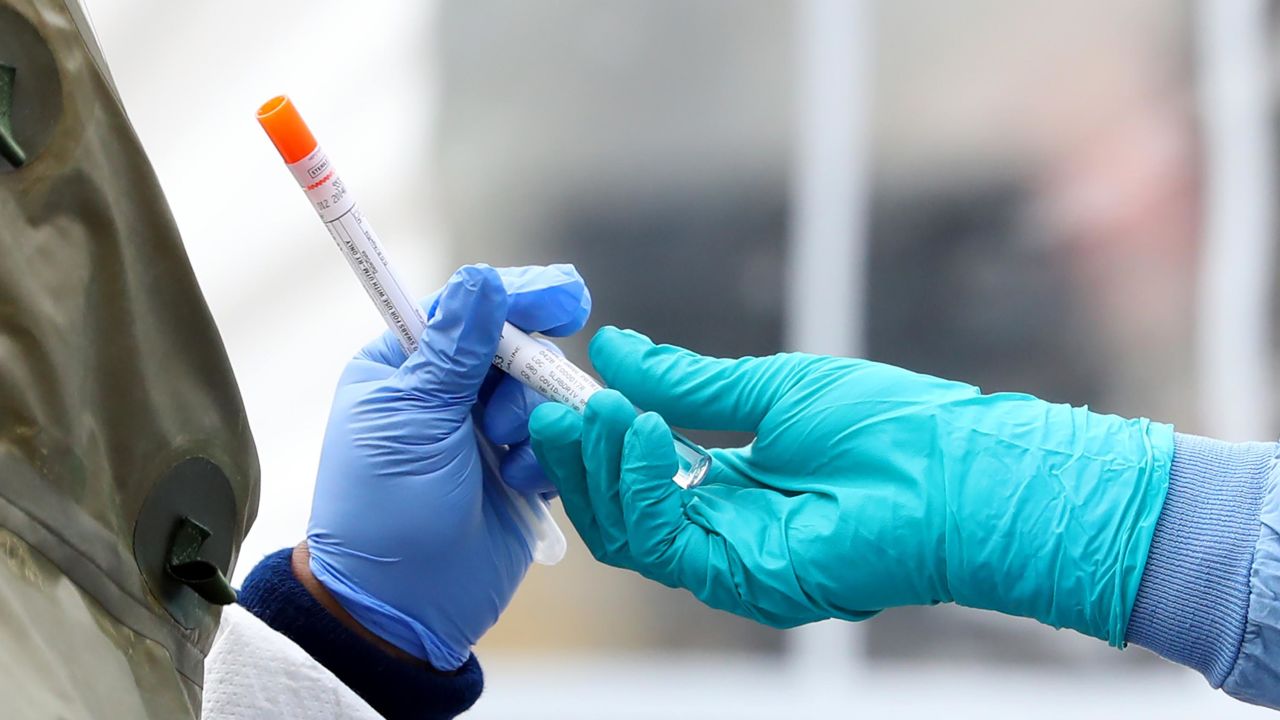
{"x": 867, "y": 486}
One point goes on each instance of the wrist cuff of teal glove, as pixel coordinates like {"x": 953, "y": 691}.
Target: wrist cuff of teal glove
{"x": 1193, "y": 600}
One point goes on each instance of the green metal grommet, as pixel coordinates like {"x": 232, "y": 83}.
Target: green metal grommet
{"x": 184, "y": 539}
{"x": 185, "y": 565}
{"x": 31, "y": 110}
{"x": 10, "y": 150}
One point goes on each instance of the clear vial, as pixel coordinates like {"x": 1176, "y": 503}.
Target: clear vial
{"x": 694, "y": 462}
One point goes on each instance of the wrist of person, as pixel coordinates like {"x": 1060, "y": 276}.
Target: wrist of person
{"x": 1193, "y": 601}
{"x": 300, "y": 564}
{"x": 281, "y": 593}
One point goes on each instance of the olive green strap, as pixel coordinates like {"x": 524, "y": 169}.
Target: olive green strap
{"x": 185, "y": 565}
{"x": 9, "y": 148}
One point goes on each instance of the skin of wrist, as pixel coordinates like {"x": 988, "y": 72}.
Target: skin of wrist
{"x": 301, "y": 563}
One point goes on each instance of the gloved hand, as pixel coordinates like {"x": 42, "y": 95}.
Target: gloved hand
{"x": 866, "y": 487}
{"x": 409, "y": 529}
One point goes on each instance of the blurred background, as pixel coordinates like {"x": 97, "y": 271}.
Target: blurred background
{"x": 1072, "y": 199}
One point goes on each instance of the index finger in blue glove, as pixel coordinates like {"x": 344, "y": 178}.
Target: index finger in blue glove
{"x": 520, "y": 470}
{"x": 550, "y": 299}
{"x": 506, "y": 411}
{"x": 547, "y": 299}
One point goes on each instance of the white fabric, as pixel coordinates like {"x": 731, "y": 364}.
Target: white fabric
{"x": 255, "y": 673}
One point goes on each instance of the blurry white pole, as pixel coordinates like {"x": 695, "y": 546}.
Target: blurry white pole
{"x": 825, "y": 277}
{"x": 1236, "y": 269}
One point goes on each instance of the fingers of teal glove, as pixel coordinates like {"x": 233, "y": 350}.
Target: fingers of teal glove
{"x": 690, "y": 390}
{"x": 752, "y": 570}
{"x": 651, "y": 501}
{"x": 605, "y": 422}
{"x": 458, "y": 346}
{"x": 520, "y": 470}
{"x": 665, "y": 544}
{"x": 555, "y": 433}
{"x": 733, "y": 467}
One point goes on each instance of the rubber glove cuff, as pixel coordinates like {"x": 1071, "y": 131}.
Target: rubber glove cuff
{"x": 1068, "y": 549}
{"x": 1193, "y": 602}
{"x": 386, "y": 622}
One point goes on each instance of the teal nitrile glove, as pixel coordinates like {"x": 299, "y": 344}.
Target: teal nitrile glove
{"x": 866, "y": 487}
{"x": 409, "y": 527}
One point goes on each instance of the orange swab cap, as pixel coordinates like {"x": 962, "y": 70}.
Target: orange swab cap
{"x": 286, "y": 129}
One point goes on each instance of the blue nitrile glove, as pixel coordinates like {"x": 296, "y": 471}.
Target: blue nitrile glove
{"x": 408, "y": 528}
{"x": 866, "y": 487}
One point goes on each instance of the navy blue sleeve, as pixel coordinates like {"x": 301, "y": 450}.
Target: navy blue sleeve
{"x": 1209, "y": 592}
{"x": 397, "y": 689}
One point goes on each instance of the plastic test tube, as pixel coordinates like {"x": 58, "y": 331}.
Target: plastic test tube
{"x": 519, "y": 355}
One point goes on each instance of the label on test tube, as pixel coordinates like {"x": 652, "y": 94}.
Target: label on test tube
{"x": 544, "y": 370}
{"x": 337, "y": 208}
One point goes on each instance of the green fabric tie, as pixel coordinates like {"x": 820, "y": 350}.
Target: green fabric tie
{"x": 9, "y": 148}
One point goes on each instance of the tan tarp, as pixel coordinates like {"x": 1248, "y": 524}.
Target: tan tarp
{"x": 111, "y": 374}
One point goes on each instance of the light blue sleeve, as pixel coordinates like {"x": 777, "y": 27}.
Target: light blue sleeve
{"x": 1256, "y": 675}
{"x": 1210, "y": 591}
